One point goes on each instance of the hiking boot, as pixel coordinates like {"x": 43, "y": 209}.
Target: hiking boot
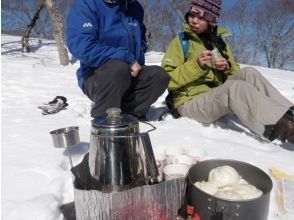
{"x": 284, "y": 128}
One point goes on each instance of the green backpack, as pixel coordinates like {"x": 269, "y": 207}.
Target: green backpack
{"x": 184, "y": 40}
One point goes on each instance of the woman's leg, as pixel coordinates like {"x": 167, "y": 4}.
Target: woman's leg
{"x": 254, "y": 78}
{"x": 253, "y": 108}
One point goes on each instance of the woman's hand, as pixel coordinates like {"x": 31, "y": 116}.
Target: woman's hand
{"x": 221, "y": 64}
{"x": 135, "y": 68}
{"x": 204, "y": 58}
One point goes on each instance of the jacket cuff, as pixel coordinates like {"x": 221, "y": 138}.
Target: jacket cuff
{"x": 228, "y": 71}
{"x": 130, "y": 59}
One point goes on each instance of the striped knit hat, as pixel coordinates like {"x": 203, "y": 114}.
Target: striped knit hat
{"x": 208, "y": 9}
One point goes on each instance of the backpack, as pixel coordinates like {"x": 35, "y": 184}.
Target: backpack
{"x": 184, "y": 40}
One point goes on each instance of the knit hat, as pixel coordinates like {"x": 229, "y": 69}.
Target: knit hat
{"x": 208, "y": 9}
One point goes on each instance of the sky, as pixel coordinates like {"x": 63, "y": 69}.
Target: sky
{"x": 229, "y": 3}
{"x": 36, "y": 177}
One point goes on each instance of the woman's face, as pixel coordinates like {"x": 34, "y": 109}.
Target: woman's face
{"x": 197, "y": 24}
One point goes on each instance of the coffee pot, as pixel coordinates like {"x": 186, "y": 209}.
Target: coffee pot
{"x": 120, "y": 156}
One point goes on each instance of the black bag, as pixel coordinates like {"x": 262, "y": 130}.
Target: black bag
{"x": 170, "y": 105}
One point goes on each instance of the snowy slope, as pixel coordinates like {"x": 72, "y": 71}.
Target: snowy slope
{"x": 35, "y": 176}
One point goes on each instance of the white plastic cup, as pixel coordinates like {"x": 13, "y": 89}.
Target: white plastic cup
{"x": 184, "y": 159}
{"x": 172, "y": 152}
{"x": 196, "y": 152}
{"x": 173, "y": 171}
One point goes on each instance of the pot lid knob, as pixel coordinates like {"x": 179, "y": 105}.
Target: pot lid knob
{"x": 113, "y": 115}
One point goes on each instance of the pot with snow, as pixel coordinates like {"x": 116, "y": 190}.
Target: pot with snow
{"x": 120, "y": 156}
{"x": 229, "y": 190}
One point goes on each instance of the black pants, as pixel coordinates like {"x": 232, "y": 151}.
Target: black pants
{"x": 111, "y": 85}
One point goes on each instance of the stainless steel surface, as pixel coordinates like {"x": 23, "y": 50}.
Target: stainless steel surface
{"x": 69, "y": 157}
{"x": 65, "y": 137}
{"x": 152, "y": 168}
{"x": 116, "y": 158}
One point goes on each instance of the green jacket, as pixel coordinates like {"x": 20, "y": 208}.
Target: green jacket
{"x": 187, "y": 78}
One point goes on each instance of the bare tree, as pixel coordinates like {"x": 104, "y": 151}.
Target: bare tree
{"x": 32, "y": 12}
{"x": 17, "y": 14}
{"x": 243, "y": 38}
{"x": 148, "y": 22}
{"x": 58, "y": 31}
{"x": 26, "y": 36}
{"x": 161, "y": 22}
{"x": 275, "y": 31}
{"x": 180, "y": 7}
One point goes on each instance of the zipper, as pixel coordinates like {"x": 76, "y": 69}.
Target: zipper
{"x": 129, "y": 33}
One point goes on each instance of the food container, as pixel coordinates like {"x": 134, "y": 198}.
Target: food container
{"x": 196, "y": 152}
{"x": 65, "y": 137}
{"x": 173, "y": 171}
{"x": 172, "y": 152}
{"x": 211, "y": 207}
{"x": 184, "y": 159}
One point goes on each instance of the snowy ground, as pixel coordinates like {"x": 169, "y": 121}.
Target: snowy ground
{"x": 35, "y": 176}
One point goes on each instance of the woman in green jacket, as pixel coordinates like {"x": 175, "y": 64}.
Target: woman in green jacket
{"x": 207, "y": 83}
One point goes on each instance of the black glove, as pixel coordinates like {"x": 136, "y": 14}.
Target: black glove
{"x": 54, "y": 106}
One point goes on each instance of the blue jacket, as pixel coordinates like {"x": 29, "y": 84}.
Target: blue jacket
{"x": 100, "y": 30}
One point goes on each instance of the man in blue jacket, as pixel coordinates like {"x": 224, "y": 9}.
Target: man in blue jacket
{"x": 108, "y": 37}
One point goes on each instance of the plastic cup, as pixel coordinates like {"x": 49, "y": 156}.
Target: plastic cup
{"x": 173, "y": 171}
{"x": 196, "y": 152}
{"x": 184, "y": 159}
{"x": 170, "y": 153}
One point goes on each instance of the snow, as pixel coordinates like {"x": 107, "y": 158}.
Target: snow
{"x": 36, "y": 177}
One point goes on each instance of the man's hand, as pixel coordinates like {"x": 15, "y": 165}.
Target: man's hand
{"x": 221, "y": 64}
{"x": 135, "y": 69}
{"x": 204, "y": 58}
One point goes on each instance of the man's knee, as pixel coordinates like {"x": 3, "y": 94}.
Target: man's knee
{"x": 159, "y": 75}
{"x": 114, "y": 68}
{"x": 113, "y": 72}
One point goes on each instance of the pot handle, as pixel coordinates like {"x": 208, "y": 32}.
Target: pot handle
{"x": 151, "y": 125}
{"x": 151, "y": 166}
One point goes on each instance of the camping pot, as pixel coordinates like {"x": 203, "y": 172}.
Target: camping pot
{"x": 120, "y": 157}
{"x": 212, "y": 208}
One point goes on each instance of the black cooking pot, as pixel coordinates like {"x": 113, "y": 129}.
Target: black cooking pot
{"x": 212, "y": 208}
